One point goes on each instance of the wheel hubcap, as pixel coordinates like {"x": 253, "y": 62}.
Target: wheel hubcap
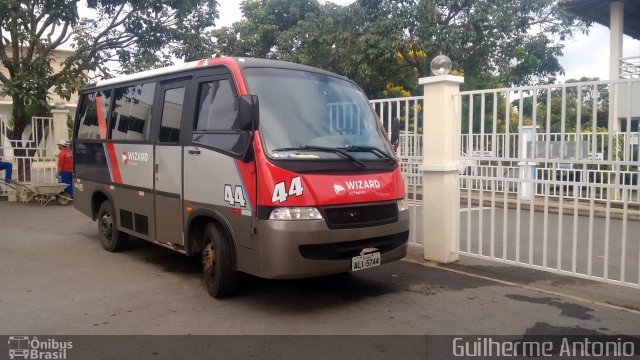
{"x": 209, "y": 260}
{"x": 106, "y": 226}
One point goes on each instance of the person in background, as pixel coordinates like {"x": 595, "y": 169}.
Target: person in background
{"x": 8, "y": 169}
{"x": 65, "y": 166}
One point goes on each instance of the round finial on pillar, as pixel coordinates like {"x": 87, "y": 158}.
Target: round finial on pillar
{"x": 441, "y": 65}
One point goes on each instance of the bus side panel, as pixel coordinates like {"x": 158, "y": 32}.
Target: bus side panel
{"x": 127, "y": 164}
{"x": 134, "y": 163}
{"x": 134, "y": 209}
{"x": 91, "y": 162}
{"x": 131, "y": 206}
{"x": 83, "y": 191}
{"x": 212, "y": 179}
{"x": 131, "y": 169}
{"x": 125, "y": 172}
{"x": 91, "y": 173}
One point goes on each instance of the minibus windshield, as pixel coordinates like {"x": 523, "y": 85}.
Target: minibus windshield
{"x": 307, "y": 116}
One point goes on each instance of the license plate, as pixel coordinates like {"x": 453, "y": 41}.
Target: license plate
{"x": 365, "y": 261}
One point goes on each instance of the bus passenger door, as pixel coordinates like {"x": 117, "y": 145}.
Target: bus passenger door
{"x": 168, "y": 165}
{"x": 214, "y": 174}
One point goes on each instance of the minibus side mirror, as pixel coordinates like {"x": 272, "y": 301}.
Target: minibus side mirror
{"x": 249, "y": 112}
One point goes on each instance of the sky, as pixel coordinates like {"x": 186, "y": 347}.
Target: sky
{"x": 230, "y": 10}
{"x": 584, "y": 55}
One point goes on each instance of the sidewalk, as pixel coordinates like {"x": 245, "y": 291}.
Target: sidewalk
{"x": 575, "y": 289}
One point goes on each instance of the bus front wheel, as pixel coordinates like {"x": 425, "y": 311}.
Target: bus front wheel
{"x": 217, "y": 263}
{"x": 111, "y": 239}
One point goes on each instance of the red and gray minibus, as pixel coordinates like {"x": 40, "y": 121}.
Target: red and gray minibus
{"x": 263, "y": 167}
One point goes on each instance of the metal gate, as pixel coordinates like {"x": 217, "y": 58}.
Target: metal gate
{"x": 550, "y": 176}
{"x": 32, "y": 156}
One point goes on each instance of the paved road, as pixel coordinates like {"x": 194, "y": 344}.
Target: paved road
{"x": 56, "y": 279}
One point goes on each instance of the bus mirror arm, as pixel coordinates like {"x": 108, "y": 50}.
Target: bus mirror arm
{"x": 249, "y": 112}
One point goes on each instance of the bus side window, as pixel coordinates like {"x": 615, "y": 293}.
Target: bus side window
{"x": 93, "y": 114}
{"x": 216, "y": 122}
{"x": 217, "y": 108}
{"x": 171, "y": 115}
{"x": 131, "y": 116}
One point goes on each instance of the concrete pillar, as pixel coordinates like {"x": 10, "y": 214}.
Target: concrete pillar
{"x": 441, "y": 152}
{"x": 616, "y": 25}
{"x": 60, "y": 129}
{"x": 616, "y": 32}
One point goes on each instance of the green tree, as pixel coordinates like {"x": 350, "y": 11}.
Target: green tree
{"x": 376, "y": 42}
{"x": 138, "y": 34}
{"x": 264, "y": 20}
{"x": 352, "y": 42}
{"x": 584, "y": 103}
{"x": 511, "y": 40}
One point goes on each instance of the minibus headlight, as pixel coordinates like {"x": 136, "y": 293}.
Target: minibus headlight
{"x": 402, "y": 205}
{"x": 295, "y": 213}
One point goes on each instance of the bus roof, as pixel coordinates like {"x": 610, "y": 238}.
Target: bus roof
{"x": 241, "y": 63}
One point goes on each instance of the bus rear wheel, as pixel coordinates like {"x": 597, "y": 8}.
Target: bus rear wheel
{"x": 218, "y": 264}
{"x": 111, "y": 239}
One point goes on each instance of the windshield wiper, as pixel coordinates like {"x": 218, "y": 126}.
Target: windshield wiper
{"x": 372, "y": 149}
{"x": 325, "y": 149}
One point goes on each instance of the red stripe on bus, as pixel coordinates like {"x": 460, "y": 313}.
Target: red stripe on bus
{"x": 102, "y": 122}
{"x": 247, "y": 172}
{"x": 113, "y": 160}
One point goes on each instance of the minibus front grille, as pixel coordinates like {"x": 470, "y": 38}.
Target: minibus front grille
{"x": 358, "y": 216}
{"x": 349, "y": 249}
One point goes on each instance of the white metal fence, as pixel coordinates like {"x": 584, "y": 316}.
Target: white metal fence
{"x": 593, "y": 170}
{"x": 32, "y": 155}
{"x": 408, "y": 111}
{"x": 549, "y": 175}
{"x": 550, "y": 178}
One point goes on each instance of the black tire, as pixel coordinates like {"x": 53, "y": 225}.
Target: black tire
{"x": 111, "y": 239}
{"x": 218, "y": 267}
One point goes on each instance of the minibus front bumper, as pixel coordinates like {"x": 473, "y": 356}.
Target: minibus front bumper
{"x": 307, "y": 248}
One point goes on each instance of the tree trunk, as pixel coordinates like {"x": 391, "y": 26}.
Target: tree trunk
{"x": 19, "y": 115}
{"x": 22, "y": 155}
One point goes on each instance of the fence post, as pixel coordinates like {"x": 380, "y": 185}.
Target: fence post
{"x": 60, "y": 128}
{"x": 528, "y": 172}
{"x": 441, "y": 152}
